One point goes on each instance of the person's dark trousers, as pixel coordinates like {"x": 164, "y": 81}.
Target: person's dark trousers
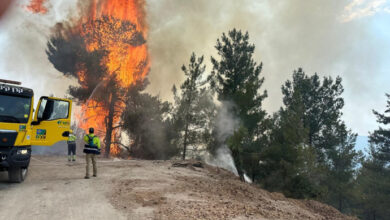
{"x": 71, "y": 150}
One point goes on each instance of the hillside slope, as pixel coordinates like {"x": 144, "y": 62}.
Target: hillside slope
{"x": 138, "y": 189}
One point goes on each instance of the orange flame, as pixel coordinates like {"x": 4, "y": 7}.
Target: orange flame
{"x": 127, "y": 62}
{"x": 37, "y": 6}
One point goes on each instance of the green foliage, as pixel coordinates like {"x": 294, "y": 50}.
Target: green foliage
{"x": 195, "y": 108}
{"x": 373, "y": 189}
{"x": 305, "y": 150}
{"x": 146, "y": 122}
{"x": 373, "y": 182}
{"x": 322, "y": 107}
{"x": 284, "y": 161}
{"x": 235, "y": 142}
{"x": 67, "y": 51}
{"x": 69, "y": 55}
{"x": 343, "y": 160}
{"x": 311, "y": 152}
{"x": 381, "y": 137}
{"x": 236, "y": 78}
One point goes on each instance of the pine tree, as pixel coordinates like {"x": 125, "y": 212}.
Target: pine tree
{"x": 381, "y": 137}
{"x": 146, "y": 120}
{"x": 289, "y": 164}
{"x": 332, "y": 169}
{"x": 194, "y": 107}
{"x": 374, "y": 178}
{"x": 282, "y": 160}
{"x": 67, "y": 51}
{"x": 343, "y": 160}
{"x": 236, "y": 79}
{"x": 322, "y": 107}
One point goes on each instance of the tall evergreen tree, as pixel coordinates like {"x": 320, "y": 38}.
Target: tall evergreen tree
{"x": 236, "y": 79}
{"x": 67, "y": 51}
{"x": 374, "y": 178}
{"x": 146, "y": 120}
{"x": 343, "y": 159}
{"x": 282, "y": 160}
{"x": 381, "y": 137}
{"x": 322, "y": 108}
{"x": 195, "y": 107}
{"x": 332, "y": 171}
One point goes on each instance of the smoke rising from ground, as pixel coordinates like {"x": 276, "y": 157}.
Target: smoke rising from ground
{"x": 226, "y": 124}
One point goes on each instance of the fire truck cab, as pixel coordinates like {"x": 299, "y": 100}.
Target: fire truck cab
{"x": 20, "y": 128}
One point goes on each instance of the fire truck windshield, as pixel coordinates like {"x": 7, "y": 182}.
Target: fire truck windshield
{"x": 14, "y": 109}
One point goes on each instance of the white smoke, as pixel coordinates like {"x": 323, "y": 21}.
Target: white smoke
{"x": 287, "y": 34}
{"x": 247, "y": 179}
{"x": 279, "y": 29}
{"x": 23, "y": 39}
{"x": 226, "y": 124}
{"x": 223, "y": 159}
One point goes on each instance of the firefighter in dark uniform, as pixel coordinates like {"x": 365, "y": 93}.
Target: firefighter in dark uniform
{"x": 91, "y": 149}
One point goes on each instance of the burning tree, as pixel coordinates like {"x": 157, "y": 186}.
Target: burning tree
{"x": 105, "y": 50}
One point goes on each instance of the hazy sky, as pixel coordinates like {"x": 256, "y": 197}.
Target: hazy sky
{"x": 350, "y": 38}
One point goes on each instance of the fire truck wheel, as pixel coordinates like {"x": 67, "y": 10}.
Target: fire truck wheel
{"x": 17, "y": 174}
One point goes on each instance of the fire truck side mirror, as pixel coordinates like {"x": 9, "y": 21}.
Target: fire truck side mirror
{"x": 35, "y": 123}
{"x": 65, "y": 134}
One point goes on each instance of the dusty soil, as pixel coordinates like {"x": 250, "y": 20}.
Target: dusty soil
{"x": 135, "y": 189}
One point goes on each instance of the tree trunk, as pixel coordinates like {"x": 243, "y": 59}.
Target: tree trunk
{"x": 109, "y": 128}
{"x": 340, "y": 203}
{"x": 187, "y": 117}
{"x": 185, "y": 142}
{"x": 134, "y": 150}
{"x": 237, "y": 161}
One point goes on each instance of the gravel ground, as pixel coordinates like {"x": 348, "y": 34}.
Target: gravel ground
{"x": 137, "y": 189}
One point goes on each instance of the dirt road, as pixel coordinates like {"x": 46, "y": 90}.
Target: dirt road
{"x": 56, "y": 189}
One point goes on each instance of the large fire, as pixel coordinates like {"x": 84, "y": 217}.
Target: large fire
{"x": 37, "y": 6}
{"x": 127, "y": 58}
{"x": 117, "y": 27}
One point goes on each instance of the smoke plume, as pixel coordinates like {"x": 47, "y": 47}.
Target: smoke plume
{"x": 23, "y": 39}
{"x": 287, "y": 35}
{"x": 321, "y": 36}
{"x": 226, "y": 124}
